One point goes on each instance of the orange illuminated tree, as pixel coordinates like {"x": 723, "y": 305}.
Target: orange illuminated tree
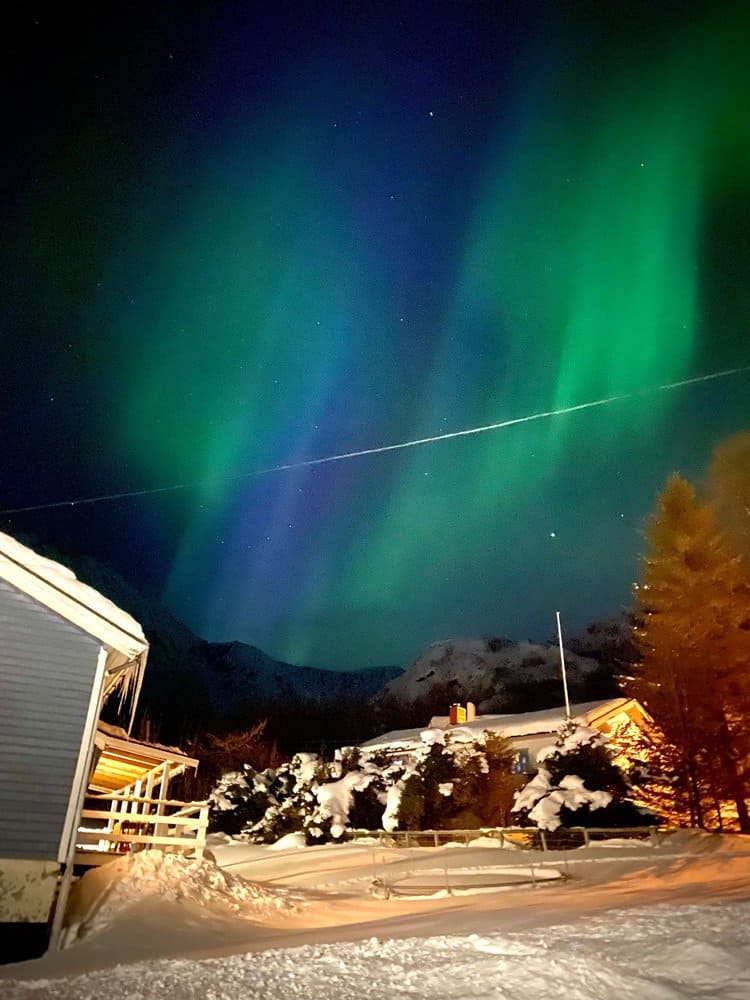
{"x": 693, "y": 635}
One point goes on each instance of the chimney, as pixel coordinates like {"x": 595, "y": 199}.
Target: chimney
{"x": 457, "y": 714}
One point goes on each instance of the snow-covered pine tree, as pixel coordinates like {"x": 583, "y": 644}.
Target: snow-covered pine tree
{"x": 460, "y": 784}
{"x": 577, "y": 784}
{"x": 489, "y": 796}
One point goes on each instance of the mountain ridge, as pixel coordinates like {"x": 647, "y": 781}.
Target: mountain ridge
{"x": 191, "y": 683}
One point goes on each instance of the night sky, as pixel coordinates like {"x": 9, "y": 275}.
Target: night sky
{"x": 236, "y": 236}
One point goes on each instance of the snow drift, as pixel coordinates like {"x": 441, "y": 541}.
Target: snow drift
{"x": 103, "y": 893}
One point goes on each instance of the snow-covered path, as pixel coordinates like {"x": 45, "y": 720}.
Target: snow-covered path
{"x": 655, "y": 953}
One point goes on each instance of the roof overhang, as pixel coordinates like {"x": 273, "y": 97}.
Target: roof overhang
{"x": 615, "y": 708}
{"x": 122, "y": 761}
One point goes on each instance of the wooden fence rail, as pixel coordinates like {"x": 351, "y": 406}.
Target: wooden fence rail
{"x": 523, "y": 838}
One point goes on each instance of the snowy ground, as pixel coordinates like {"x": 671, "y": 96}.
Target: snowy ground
{"x": 671, "y": 921}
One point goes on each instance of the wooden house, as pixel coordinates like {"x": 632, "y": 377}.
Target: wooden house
{"x": 72, "y": 789}
{"x": 528, "y": 732}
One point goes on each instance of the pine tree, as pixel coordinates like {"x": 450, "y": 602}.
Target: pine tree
{"x": 499, "y": 783}
{"x": 694, "y": 648}
{"x": 729, "y": 488}
{"x": 653, "y": 767}
{"x": 577, "y": 784}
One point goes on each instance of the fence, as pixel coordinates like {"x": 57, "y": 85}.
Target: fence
{"x": 130, "y": 822}
{"x": 523, "y": 838}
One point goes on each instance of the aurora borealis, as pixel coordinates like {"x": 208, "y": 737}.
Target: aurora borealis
{"x": 238, "y": 237}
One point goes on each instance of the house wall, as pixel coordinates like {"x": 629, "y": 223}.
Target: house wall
{"x": 533, "y": 744}
{"x": 27, "y": 889}
{"x": 47, "y": 669}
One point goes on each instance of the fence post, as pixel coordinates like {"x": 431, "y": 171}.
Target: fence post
{"x": 435, "y": 835}
{"x": 543, "y": 838}
{"x": 160, "y": 829}
{"x": 200, "y": 835}
{"x": 586, "y": 838}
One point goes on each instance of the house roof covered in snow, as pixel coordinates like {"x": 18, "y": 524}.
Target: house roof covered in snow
{"x": 545, "y": 722}
{"x": 57, "y": 588}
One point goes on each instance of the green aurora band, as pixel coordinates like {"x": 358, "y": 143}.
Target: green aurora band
{"x": 581, "y": 276}
{"x": 577, "y": 275}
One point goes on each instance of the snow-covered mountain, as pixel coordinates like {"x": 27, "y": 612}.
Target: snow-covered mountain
{"x": 236, "y": 672}
{"x": 191, "y": 684}
{"x": 482, "y": 670}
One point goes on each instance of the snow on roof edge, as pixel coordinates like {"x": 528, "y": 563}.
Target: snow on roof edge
{"x": 50, "y": 574}
{"x": 521, "y": 724}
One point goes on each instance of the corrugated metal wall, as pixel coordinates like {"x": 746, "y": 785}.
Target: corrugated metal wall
{"x": 47, "y": 670}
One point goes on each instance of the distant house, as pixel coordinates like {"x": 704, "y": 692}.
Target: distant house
{"x": 528, "y": 732}
{"x": 72, "y": 788}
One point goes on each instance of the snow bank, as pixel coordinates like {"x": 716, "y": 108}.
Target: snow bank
{"x": 103, "y": 893}
{"x": 655, "y": 953}
{"x": 290, "y": 840}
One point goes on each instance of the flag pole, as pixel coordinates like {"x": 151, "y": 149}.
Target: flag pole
{"x": 562, "y": 664}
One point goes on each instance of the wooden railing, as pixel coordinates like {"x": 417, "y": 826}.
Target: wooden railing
{"x": 116, "y": 824}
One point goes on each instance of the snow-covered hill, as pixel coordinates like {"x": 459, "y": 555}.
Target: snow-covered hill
{"x": 480, "y": 670}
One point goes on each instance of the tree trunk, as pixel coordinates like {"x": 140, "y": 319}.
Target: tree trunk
{"x": 735, "y": 779}
{"x": 696, "y": 807}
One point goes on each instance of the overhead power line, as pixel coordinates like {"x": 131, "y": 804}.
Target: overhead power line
{"x": 381, "y": 449}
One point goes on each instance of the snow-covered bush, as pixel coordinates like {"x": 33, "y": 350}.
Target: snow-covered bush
{"x": 307, "y": 794}
{"x": 577, "y": 784}
{"x": 445, "y": 779}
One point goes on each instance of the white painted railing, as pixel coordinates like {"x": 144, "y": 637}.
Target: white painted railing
{"x": 118, "y": 823}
